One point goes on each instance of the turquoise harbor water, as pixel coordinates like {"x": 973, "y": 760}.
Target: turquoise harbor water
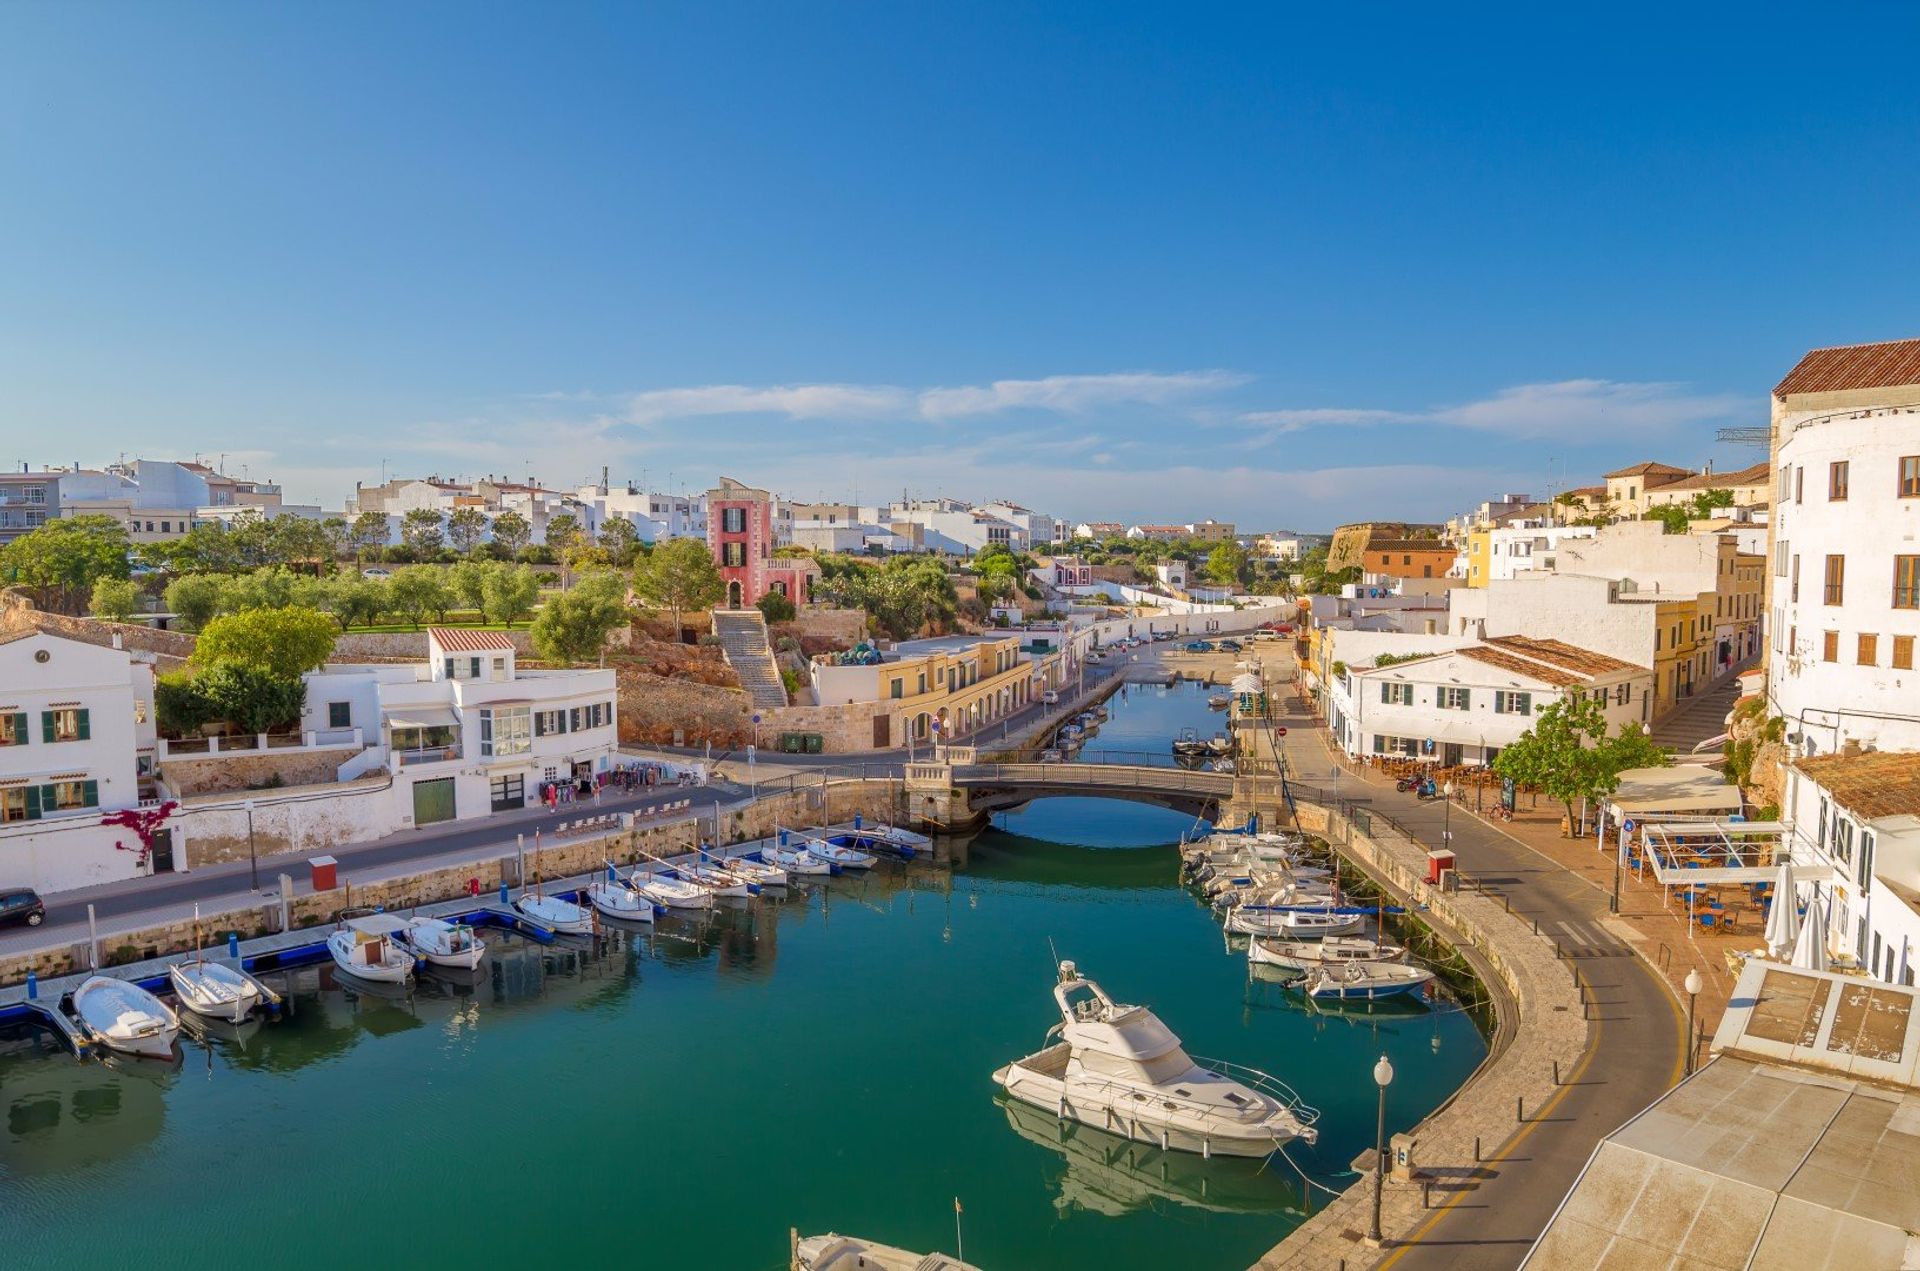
{"x": 682, "y": 1099}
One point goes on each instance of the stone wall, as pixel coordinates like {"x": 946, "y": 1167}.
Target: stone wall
{"x": 844, "y": 729}
{"x": 171, "y": 649}
{"x": 304, "y": 820}
{"x": 845, "y": 627}
{"x": 253, "y": 770}
{"x": 657, "y": 710}
{"x": 375, "y": 646}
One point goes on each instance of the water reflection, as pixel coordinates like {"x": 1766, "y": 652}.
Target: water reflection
{"x": 62, "y": 1115}
{"x": 1107, "y": 1174}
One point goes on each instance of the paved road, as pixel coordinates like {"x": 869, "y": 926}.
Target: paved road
{"x": 1635, "y": 1056}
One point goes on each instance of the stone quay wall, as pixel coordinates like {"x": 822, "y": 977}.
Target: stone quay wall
{"x": 563, "y": 857}
{"x": 1543, "y": 1023}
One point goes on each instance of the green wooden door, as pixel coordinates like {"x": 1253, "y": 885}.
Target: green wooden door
{"x": 433, "y": 801}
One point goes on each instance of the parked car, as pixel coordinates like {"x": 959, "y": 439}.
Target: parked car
{"x": 22, "y": 904}
{"x": 374, "y": 571}
{"x": 1228, "y": 646}
{"x": 1199, "y": 646}
{"x": 1161, "y": 637}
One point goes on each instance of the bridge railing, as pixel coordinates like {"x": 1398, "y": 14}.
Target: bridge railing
{"x": 1101, "y": 776}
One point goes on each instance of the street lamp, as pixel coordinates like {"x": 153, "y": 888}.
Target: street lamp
{"x": 253, "y": 859}
{"x": 1693, "y": 986}
{"x": 1382, "y": 1077}
{"x": 1446, "y": 818}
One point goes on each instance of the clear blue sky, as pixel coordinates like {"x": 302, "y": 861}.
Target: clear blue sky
{"x": 1282, "y": 267}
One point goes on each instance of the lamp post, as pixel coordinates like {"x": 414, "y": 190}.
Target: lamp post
{"x": 1446, "y": 818}
{"x": 1382, "y": 1077}
{"x": 253, "y": 858}
{"x": 1693, "y": 986}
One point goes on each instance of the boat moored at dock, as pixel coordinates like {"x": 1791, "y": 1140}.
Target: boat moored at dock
{"x": 1366, "y": 981}
{"x": 834, "y": 1252}
{"x": 616, "y": 899}
{"x": 213, "y": 989}
{"x": 556, "y": 914}
{"x": 364, "y": 946}
{"x": 1311, "y": 955}
{"x": 126, "y": 1018}
{"x": 671, "y": 892}
{"x": 442, "y": 943}
{"x": 1118, "y": 1067}
{"x": 840, "y": 855}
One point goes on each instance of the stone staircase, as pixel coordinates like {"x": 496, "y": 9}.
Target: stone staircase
{"x": 743, "y": 640}
{"x": 1696, "y": 719}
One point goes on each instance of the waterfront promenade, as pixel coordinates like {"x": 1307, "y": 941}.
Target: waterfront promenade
{"x": 1487, "y": 1214}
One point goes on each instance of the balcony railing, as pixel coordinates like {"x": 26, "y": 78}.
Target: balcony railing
{"x": 243, "y": 743}
{"x": 431, "y": 754}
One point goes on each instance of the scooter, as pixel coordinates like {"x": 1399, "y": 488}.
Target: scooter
{"x": 1408, "y": 783}
{"x": 1427, "y": 790}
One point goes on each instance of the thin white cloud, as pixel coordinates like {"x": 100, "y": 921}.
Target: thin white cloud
{"x": 1579, "y": 409}
{"x": 1075, "y": 394}
{"x": 795, "y": 401}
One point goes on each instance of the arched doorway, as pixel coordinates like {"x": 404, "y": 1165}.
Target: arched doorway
{"x": 733, "y": 595}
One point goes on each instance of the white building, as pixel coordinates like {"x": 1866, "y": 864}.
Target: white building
{"x": 1514, "y": 549}
{"x": 1844, "y": 591}
{"x": 467, "y": 732}
{"x": 1172, "y": 573}
{"x": 653, "y": 515}
{"x": 76, "y": 731}
{"x": 1466, "y": 705}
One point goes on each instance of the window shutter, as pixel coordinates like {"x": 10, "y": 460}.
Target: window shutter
{"x": 85, "y": 724}
{"x": 49, "y": 798}
{"x": 46, "y": 726}
{"x": 33, "y": 803}
{"x": 540, "y": 724}
{"x": 20, "y": 726}
{"x": 91, "y": 793}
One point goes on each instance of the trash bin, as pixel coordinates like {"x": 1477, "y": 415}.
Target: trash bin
{"x": 1438, "y": 861}
{"x": 326, "y": 872}
{"x": 816, "y": 742}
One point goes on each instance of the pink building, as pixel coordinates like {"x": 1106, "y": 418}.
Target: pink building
{"x": 740, "y": 532}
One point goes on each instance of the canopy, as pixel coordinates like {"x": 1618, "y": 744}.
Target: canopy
{"x": 1246, "y": 684}
{"x": 1682, "y": 788}
{"x": 422, "y": 717}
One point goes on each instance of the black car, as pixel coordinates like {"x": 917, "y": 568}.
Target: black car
{"x": 22, "y": 904}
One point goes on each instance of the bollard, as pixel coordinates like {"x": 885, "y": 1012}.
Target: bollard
{"x": 1520, "y": 1108}
{"x": 1476, "y": 1149}
{"x": 503, "y": 891}
{"x": 1509, "y": 901}
{"x": 1426, "y": 1194}
{"x": 33, "y": 986}
{"x": 233, "y": 944}
{"x": 1556, "y": 1072}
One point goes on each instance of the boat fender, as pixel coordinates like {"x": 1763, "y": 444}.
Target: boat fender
{"x": 473, "y": 887}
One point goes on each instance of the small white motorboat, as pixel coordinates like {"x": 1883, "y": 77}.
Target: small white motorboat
{"x": 1118, "y": 1068}
{"x": 1366, "y": 981}
{"x": 1051, "y": 755}
{"x": 618, "y": 900}
{"x": 449, "y": 944}
{"x": 365, "y": 946}
{"x": 797, "y": 861}
{"x": 844, "y": 857}
{"x": 719, "y": 882}
{"x": 1311, "y": 955}
{"x": 890, "y": 839}
{"x": 213, "y": 989}
{"x": 125, "y": 1017}
{"x": 1219, "y": 702}
{"x": 556, "y": 914}
{"x": 755, "y": 871}
{"x": 833, "y": 1252}
{"x": 1220, "y": 744}
{"x": 1293, "y": 924}
{"x": 671, "y": 893}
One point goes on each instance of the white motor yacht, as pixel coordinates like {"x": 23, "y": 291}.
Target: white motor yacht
{"x": 833, "y": 1252}
{"x": 672, "y": 893}
{"x": 125, "y": 1017}
{"x": 365, "y": 946}
{"x": 1311, "y": 955}
{"x": 618, "y": 900}
{"x": 1119, "y": 1068}
{"x": 213, "y": 989}
{"x": 449, "y": 944}
{"x": 556, "y": 914}
{"x": 1294, "y": 924}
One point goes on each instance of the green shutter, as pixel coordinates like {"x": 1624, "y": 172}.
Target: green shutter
{"x": 90, "y": 791}
{"x": 49, "y": 798}
{"x": 46, "y": 725}
{"x": 33, "y": 803}
{"x": 20, "y": 725}
{"x": 85, "y": 725}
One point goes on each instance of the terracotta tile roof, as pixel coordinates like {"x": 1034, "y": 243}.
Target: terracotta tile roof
{"x": 468, "y": 640}
{"x": 1884, "y": 365}
{"x": 1408, "y": 545}
{"x": 1565, "y": 656}
{"x": 1871, "y": 785}
{"x": 1759, "y": 474}
{"x": 1651, "y": 469}
{"x": 1589, "y": 491}
{"x": 1521, "y": 666}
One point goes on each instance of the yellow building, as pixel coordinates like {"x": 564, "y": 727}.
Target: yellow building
{"x": 1479, "y": 557}
{"x": 945, "y": 689}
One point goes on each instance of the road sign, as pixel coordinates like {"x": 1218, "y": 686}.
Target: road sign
{"x": 1280, "y": 732}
